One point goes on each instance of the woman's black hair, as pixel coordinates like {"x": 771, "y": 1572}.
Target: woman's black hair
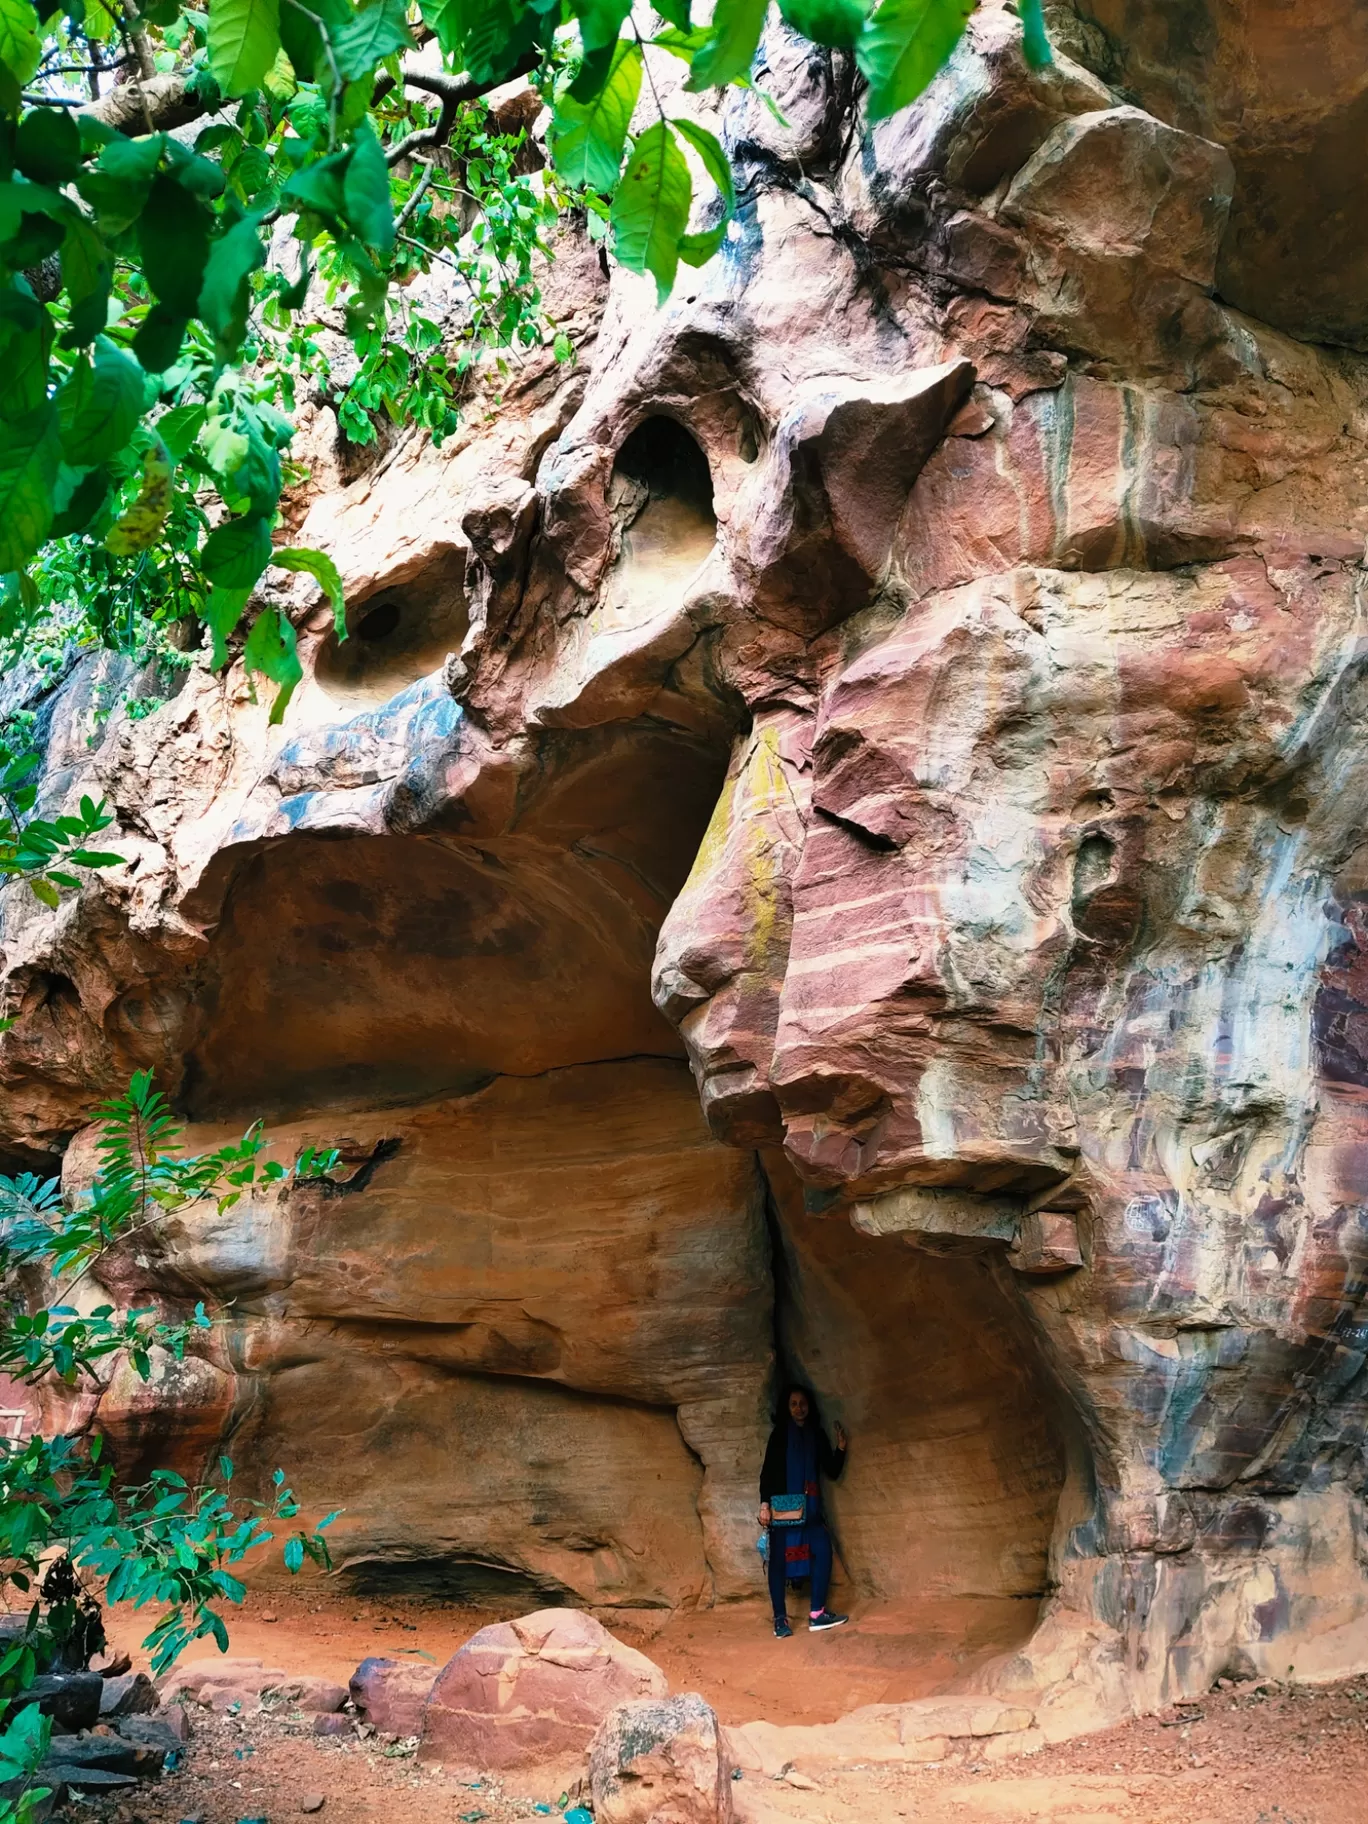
{"x": 781, "y": 1411}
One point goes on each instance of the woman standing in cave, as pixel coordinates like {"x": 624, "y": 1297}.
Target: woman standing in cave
{"x": 796, "y": 1458}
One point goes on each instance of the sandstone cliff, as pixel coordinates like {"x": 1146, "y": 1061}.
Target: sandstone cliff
{"x": 914, "y": 682}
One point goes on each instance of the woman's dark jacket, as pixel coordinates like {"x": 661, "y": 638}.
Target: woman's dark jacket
{"x": 774, "y": 1469}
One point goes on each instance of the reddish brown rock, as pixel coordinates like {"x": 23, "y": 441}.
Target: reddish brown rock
{"x": 391, "y": 1693}
{"x": 532, "y": 1693}
{"x": 661, "y": 1761}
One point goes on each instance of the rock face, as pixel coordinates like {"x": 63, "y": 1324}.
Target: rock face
{"x": 841, "y": 821}
{"x": 661, "y": 1762}
{"x": 532, "y": 1693}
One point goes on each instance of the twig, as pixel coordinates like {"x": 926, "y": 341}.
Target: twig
{"x": 415, "y": 197}
{"x": 437, "y": 135}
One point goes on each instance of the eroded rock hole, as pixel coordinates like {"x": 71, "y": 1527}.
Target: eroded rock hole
{"x": 662, "y": 496}
{"x": 396, "y": 636}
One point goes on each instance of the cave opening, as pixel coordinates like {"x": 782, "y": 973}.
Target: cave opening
{"x": 661, "y": 495}
{"x": 532, "y": 1356}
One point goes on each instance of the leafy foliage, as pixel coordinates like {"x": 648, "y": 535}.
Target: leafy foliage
{"x": 70, "y": 1533}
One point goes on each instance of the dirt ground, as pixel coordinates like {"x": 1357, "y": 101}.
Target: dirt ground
{"x": 1263, "y": 1755}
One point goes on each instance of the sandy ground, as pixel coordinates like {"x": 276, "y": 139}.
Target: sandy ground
{"x": 1265, "y": 1755}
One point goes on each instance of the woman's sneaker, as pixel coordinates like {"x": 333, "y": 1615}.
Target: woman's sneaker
{"x": 782, "y": 1631}
{"x": 826, "y": 1620}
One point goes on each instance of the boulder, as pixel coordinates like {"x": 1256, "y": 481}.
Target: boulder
{"x": 661, "y": 1761}
{"x": 71, "y": 1699}
{"x": 532, "y": 1693}
{"x": 131, "y": 1694}
{"x": 305, "y": 1692}
{"x": 221, "y": 1683}
{"x": 391, "y": 1693}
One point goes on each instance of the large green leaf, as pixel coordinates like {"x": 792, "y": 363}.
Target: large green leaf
{"x": 236, "y": 553}
{"x": 729, "y": 49}
{"x": 173, "y": 231}
{"x": 30, "y": 452}
{"x": 139, "y": 526}
{"x": 321, "y": 567}
{"x": 834, "y": 22}
{"x": 445, "y": 18}
{"x": 600, "y": 21}
{"x": 244, "y": 36}
{"x": 1035, "y": 42}
{"x": 20, "y": 45}
{"x": 904, "y": 46}
{"x": 698, "y": 249}
{"x": 99, "y": 405}
{"x": 491, "y": 35}
{"x": 87, "y": 273}
{"x": 366, "y": 193}
{"x": 303, "y": 42}
{"x": 26, "y": 335}
{"x": 220, "y": 614}
{"x": 47, "y": 146}
{"x": 83, "y": 503}
{"x": 587, "y": 139}
{"x": 225, "y": 297}
{"x": 374, "y": 33}
{"x": 651, "y": 208}
{"x": 158, "y": 341}
{"x": 270, "y": 649}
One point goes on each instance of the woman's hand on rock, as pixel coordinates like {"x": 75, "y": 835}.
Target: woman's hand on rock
{"x": 764, "y": 1515}
{"x": 841, "y": 1439}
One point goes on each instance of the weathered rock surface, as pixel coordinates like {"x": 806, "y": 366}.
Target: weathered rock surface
{"x": 532, "y": 1693}
{"x": 391, "y": 1693}
{"x": 914, "y": 682}
{"x": 661, "y": 1761}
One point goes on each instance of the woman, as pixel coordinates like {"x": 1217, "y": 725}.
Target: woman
{"x": 797, "y": 1457}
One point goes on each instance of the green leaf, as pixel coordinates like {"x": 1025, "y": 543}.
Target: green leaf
{"x": 100, "y": 404}
{"x": 173, "y": 232}
{"x": 85, "y": 501}
{"x": 271, "y": 650}
{"x": 697, "y": 249}
{"x": 444, "y": 17}
{"x": 158, "y": 341}
{"x": 26, "y": 332}
{"x": 117, "y": 186}
{"x": 320, "y": 186}
{"x": 904, "y": 46}
{"x": 491, "y": 36}
{"x": 374, "y": 33}
{"x": 587, "y": 140}
{"x": 221, "y": 614}
{"x": 600, "y": 21}
{"x": 87, "y": 273}
{"x": 30, "y": 451}
{"x": 293, "y": 1555}
{"x": 179, "y": 427}
{"x": 674, "y": 12}
{"x": 47, "y": 146}
{"x": 139, "y": 526}
{"x": 651, "y": 209}
{"x": 244, "y": 36}
{"x": 366, "y": 193}
{"x": 730, "y": 47}
{"x": 832, "y": 22}
{"x": 235, "y": 553}
{"x": 303, "y": 41}
{"x": 20, "y": 46}
{"x": 1035, "y": 42}
{"x": 225, "y": 297}
{"x": 324, "y": 571}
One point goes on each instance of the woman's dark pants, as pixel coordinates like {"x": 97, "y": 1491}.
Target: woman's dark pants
{"x": 818, "y": 1541}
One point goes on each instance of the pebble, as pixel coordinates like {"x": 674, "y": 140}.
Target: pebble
{"x": 313, "y": 1801}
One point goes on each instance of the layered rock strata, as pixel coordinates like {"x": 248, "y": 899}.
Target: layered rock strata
{"x": 929, "y": 653}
